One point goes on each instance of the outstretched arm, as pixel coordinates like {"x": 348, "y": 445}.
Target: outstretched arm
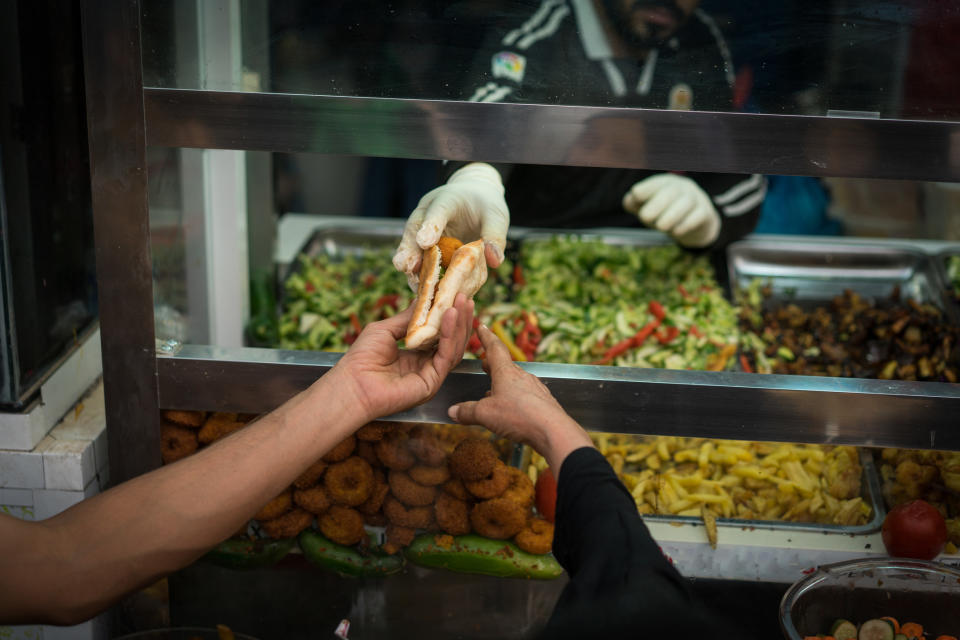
{"x": 70, "y": 567}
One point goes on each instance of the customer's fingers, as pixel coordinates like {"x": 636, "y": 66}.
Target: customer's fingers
{"x": 472, "y": 412}
{"x": 498, "y": 356}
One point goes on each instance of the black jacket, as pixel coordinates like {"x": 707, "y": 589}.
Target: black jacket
{"x": 621, "y": 586}
{"x": 557, "y": 56}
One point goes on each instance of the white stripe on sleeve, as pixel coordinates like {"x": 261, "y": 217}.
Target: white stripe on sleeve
{"x": 646, "y": 76}
{"x": 547, "y": 30}
{"x": 481, "y": 92}
{"x": 614, "y": 77}
{"x": 748, "y": 203}
{"x": 738, "y": 190}
{"x": 497, "y": 95}
{"x": 535, "y": 21}
{"x": 721, "y": 43}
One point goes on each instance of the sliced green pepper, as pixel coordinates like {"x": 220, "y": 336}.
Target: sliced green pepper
{"x": 476, "y": 554}
{"x": 785, "y": 353}
{"x": 347, "y": 561}
{"x": 237, "y": 553}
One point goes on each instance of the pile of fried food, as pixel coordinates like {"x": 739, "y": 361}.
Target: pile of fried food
{"x": 933, "y": 476}
{"x": 670, "y": 475}
{"x": 402, "y": 476}
{"x": 182, "y": 433}
{"x": 891, "y": 339}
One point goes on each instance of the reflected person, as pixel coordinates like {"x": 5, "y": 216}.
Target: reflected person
{"x": 664, "y": 54}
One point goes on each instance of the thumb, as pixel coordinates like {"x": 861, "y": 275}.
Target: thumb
{"x": 407, "y": 257}
{"x": 435, "y": 220}
{"x": 465, "y": 412}
{"x": 493, "y": 230}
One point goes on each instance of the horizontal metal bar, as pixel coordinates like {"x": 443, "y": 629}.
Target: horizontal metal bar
{"x": 555, "y": 134}
{"x": 737, "y": 406}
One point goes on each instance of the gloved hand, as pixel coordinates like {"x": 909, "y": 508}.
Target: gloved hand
{"x": 470, "y": 206}
{"x": 675, "y": 205}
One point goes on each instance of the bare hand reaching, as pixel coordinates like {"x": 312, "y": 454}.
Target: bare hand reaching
{"x": 521, "y": 408}
{"x": 384, "y": 379}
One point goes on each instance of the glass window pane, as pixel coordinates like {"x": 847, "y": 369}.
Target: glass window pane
{"x": 890, "y": 59}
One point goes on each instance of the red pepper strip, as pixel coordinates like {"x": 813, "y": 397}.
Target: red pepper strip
{"x": 474, "y": 344}
{"x": 686, "y": 294}
{"x": 355, "y": 323}
{"x": 696, "y": 333}
{"x": 657, "y": 310}
{"x": 614, "y": 351}
{"x": 629, "y": 343}
{"x": 476, "y": 322}
{"x": 745, "y": 364}
{"x": 518, "y": 278}
{"x": 309, "y": 288}
{"x": 644, "y": 333}
{"x": 667, "y": 335}
{"x": 391, "y": 300}
{"x": 370, "y": 280}
{"x": 529, "y": 350}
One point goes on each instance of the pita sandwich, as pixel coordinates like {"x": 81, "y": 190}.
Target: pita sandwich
{"x": 465, "y": 273}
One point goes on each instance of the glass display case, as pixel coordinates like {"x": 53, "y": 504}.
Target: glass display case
{"x": 49, "y": 299}
{"x": 249, "y": 133}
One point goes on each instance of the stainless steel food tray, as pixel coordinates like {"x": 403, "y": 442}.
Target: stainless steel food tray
{"x": 869, "y": 491}
{"x": 340, "y": 239}
{"x": 811, "y": 273}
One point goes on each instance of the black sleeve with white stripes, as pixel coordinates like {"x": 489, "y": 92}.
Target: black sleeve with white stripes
{"x": 738, "y": 199}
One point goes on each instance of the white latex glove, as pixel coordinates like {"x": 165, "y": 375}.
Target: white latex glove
{"x": 470, "y": 206}
{"x": 675, "y": 205}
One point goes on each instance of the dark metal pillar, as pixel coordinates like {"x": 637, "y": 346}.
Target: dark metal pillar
{"x": 114, "y": 87}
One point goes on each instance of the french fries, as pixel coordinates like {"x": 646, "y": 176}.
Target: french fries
{"x": 733, "y": 479}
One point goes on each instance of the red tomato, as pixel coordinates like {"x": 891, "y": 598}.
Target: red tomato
{"x": 547, "y": 495}
{"x": 914, "y": 530}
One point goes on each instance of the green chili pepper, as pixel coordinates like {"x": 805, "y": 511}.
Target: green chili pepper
{"x": 237, "y": 553}
{"x": 476, "y": 554}
{"x": 786, "y": 354}
{"x": 347, "y": 561}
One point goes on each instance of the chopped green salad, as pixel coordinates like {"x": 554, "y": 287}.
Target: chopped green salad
{"x": 566, "y": 300}
{"x": 953, "y": 273}
{"x": 585, "y": 302}
{"x": 329, "y": 300}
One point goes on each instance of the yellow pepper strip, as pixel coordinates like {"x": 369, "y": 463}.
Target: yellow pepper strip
{"x": 515, "y": 352}
{"x": 718, "y": 361}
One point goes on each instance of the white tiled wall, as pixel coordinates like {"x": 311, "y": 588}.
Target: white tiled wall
{"x": 68, "y": 465}
{"x": 21, "y": 431}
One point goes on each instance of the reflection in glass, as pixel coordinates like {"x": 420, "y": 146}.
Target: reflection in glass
{"x": 894, "y": 59}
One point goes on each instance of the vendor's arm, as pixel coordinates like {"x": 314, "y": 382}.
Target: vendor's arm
{"x": 620, "y": 583}
{"x": 70, "y": 567}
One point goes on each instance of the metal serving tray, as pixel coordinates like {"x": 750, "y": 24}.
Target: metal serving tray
{"x": 810, "y": 273}
{"x": 339, "y": 238}
{"x": 869, "y": 491}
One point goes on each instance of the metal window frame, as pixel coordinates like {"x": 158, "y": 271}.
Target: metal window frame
{"x": 123, "y": 117}
{"x": 555, "y": 134}
{"x": 118, "y": 185}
